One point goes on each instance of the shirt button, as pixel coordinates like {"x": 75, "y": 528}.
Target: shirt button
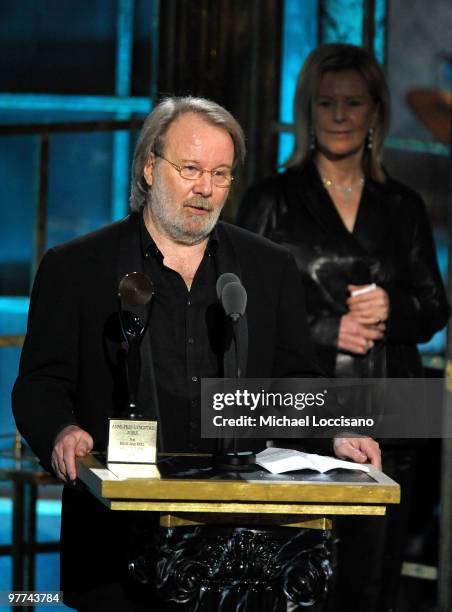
{"x": 194, "y": 379}
{"x": 188, "y": 303}
{"x": 191, "y": 341}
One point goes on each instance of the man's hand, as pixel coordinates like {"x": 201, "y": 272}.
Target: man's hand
{"x": 71, "y": 442}
{"x": 360, "y": 449}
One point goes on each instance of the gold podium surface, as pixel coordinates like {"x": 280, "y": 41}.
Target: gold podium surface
{"x": 188, "y": 484}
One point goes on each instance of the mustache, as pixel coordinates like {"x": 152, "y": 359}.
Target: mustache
{"x": 199, "y": 203}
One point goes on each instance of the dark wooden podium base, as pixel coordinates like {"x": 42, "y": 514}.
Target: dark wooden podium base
{"x": 233, "y": 541}
{"x": 229, "y": 569}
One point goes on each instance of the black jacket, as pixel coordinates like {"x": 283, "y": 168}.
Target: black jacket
{"x": 70, "y": 366}
{"x": 391, "y": 245}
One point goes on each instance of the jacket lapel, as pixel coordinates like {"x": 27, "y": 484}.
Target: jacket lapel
{"x": 370, "y": 230}
{"x": 306, "y": 189}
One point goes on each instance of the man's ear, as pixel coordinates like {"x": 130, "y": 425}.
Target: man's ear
{"x": 148, "y": 171}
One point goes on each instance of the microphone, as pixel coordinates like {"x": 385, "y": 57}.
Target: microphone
{"x": 223, "y": 280}
{"x": 232, "y": 295}
{"x": 233, "y": 298}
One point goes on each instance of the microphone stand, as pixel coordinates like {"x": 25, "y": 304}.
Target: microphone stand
{"x": 225, "y": 458}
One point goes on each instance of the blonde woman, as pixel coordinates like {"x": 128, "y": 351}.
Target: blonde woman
{"x": 364, "y": 246}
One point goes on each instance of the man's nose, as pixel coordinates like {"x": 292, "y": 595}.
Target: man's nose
{"x": 204, "y": 184}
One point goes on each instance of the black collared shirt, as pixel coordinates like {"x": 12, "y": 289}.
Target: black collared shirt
{"x": 185, "y": 333}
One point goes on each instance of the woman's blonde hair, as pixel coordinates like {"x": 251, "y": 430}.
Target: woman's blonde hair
{"x": 336, "y": 57}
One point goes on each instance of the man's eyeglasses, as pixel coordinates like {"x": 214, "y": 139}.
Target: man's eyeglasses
{"x": 221, "y": 177}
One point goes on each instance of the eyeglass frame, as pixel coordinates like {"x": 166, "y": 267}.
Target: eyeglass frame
{"x": 201, "y": 170}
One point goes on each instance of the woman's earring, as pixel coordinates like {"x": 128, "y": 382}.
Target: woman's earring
{"x": 370, "y": 138}
{"x": 312, "y": 140}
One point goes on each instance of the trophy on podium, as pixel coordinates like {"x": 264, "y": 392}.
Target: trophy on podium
{"x": 132, "y": 438}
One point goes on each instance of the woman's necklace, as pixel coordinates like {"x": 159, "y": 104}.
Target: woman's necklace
{"x": 345, "y": 190}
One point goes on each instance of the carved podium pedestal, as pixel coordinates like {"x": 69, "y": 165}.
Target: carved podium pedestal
{"x": 236, "y": 541}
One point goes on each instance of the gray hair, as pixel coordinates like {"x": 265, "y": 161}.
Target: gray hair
{"x": 337, "y": 57}
{"x": 152, "y": 137}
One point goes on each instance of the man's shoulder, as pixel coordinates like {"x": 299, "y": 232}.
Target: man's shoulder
{"x": 279, "y": 182}
{"x": 93, "y": 239}
{"x": 252, "y": 242}
{"x": 88, "y": 255}
{"x": 97, "y": 242}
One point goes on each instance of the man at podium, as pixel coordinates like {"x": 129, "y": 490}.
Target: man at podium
{"x": 71, "y": 377}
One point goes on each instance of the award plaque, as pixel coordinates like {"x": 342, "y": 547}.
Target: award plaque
{"x": 131, "y": 437}
{"x": 132, "y": 441}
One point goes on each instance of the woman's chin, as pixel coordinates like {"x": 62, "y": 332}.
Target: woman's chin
{"x": 338, "y": 153}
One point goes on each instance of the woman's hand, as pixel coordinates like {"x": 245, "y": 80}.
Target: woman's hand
{"x": 354, "y": 337}
{"x": 370, "y": 307}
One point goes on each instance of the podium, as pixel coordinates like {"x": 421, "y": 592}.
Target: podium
{"x": 236, "y": 540}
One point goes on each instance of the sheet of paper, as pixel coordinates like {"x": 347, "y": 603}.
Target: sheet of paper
{"x": 279, "y": 460}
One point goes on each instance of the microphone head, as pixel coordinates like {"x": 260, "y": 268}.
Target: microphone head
{"x": 233, "y": 300}
{"x": 225, "y": 279}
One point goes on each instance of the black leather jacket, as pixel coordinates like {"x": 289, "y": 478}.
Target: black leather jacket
{"x": 391, "y": 245}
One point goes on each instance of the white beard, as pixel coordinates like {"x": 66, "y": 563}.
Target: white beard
{"x": 177, "y": 223}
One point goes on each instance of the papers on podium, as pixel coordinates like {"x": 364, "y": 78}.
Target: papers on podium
{"x": 279, "y": 460}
